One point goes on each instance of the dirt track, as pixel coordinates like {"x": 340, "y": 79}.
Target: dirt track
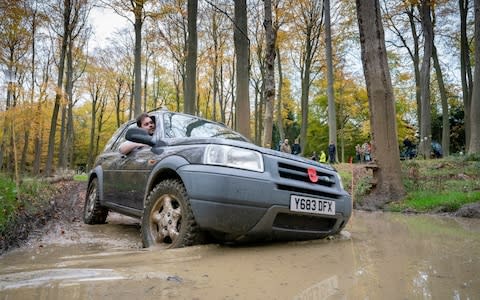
{"x": 64, "y": 208}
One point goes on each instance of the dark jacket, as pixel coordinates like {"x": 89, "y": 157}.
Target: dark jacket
{"x": 296, "y": 149}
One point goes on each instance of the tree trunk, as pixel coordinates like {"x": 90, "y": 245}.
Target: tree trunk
{"x": 191, "y": 68}
{"x": 221, "y": 99}
{"x": 332, "y": 116}
{"x": 474, "y": 146}
{"x": 270, "y": 37}
{"x": 257, "y": 105}
{"x": 232, "y": 117}
{"x": 215, "y": 40}
{"x": 259, "y": 95}
{"x": 261, "y": 109}
{"x": 68, "y": 152}
{"x": 281, "y": 130}
{"x": 62, "y": 152}
{"x": 305, "y": 85}
{"x": 38, "y": 152}
{"x": 387, "y": 173}
{"x": 242, "y": 44}
{"x": 91, "y": 144}
{"x": 416, "y": 61}
{"x": 145, "y": 82}
{"x": 63, "y": 121}
{"x": 138, "y": 11}
{"x": 465, "y": 68}
{"x": 119, "y": 99}
{"x": 444, "y": 98}
{"x": 23, "y": 160}
{"x": 101, "y": 112}
{"x": 426, "y": 124}
{"x": 59, "y": 93}
{"x": 177, "y": 94}
{"x": 131, "y": 103}
{"x": 39, "y": 120}
{"x": 32, "y": 90}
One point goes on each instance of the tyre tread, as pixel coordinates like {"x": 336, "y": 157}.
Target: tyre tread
{"x": 100, "y": 213}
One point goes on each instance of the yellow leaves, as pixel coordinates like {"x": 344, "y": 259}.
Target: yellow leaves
{"x": 289, "y": 105}
{"x": 408, "y": 3}
{"x": 365, "y": 128}
{"x": 282, "y": 36}
{"x": 404, "y": 76}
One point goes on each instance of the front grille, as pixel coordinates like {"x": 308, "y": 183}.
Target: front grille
{"x": 301, "y": 174}
{"x": 310, "y": 223}
{"x": 306, "y": 191}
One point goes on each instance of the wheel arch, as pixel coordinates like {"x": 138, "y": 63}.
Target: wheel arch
{"x": 166, "y": 169}
{"x": 97, "y": 172}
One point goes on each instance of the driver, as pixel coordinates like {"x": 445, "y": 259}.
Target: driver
{"x": 143, "y": 121}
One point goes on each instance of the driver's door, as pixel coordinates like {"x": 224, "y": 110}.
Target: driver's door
{"x": 125, "y": 176}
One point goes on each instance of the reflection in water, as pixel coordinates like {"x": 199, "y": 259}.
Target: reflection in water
{"x": 421, "y": 285}
{"x": 321, "y": 290}
{"x": 42, "y": 277}
{"x": 379, "y": 256}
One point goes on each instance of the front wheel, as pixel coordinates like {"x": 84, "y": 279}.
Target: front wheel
{"x": 93, "y": 212}
{"x": 167, "y": 220}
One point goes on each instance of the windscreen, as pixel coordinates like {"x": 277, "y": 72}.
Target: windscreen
{"x": 185, "y": 126}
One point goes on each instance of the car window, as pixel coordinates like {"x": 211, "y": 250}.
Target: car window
{"x": 114, "y": 138}
{"x": 118, "y": 138}
{"x": 183, "y": 126}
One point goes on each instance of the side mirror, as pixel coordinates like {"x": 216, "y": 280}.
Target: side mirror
{"x": 139, "y": 135}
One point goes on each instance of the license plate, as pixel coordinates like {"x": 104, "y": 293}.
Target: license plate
{"x": 312, "y": 205}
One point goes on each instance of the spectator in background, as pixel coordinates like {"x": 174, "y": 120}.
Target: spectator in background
{"x": 296, "y": 149}
{"x": 279, "y": 146}
{"x": 409, "y": 149}
{"x": 366, "y": 147}
{"x": 314, "y": 156}
{"x": 286, "y": 147}
{"x": 436, "y": 150}
{"x": 358, "y": 151}
{"x": 323, "y": 157}
{"x": 331, "y": 152}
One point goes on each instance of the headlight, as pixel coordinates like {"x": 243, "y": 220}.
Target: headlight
{"x": 233, "y": 157}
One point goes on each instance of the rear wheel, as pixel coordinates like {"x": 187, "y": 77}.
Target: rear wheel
{"x": 167, "y": 219}
{"x": 93, "y": 212}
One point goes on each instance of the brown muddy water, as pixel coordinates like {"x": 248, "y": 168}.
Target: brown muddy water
{"x": 378, "y": 256}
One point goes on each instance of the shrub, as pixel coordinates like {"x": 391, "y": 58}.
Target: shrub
{"x": 33, "y": 196}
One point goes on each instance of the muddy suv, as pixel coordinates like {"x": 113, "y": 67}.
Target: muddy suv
{"x": 197, "y": 178}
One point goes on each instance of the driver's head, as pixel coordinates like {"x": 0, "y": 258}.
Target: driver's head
{"x": 146, "y": 122}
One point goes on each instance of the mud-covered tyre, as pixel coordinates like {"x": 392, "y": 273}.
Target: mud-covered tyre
{"x": 167, "y": 220}
{"x": 93, "y": 212}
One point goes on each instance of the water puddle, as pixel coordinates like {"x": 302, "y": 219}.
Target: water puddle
{"x": 378, "y": 256}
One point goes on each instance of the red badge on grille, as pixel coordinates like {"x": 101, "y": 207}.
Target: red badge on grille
{"x": 312, "y": 174}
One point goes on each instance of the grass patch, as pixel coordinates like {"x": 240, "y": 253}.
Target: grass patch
{"x": 424, "y": 201}
{"x": 8, "y": 201}
{"x": 80, "y": 177}
{"x": 32, "y": 197}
